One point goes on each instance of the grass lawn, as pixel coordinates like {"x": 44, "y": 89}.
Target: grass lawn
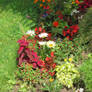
{"x": 11, "y": 24}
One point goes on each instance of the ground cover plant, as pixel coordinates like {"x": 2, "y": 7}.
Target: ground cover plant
{"x": 45, "y": 51}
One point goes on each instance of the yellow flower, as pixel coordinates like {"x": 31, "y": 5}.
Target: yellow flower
{"x": 65, "y": 59}
{"x": 51, "y": 79}
{"x": 73, "y": 2}
{"x": 70, "y": 59}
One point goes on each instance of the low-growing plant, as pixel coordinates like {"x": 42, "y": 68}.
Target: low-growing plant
{"x": 65, "y": 49}
{"x": 86, "y": 73}
{"x": 66, "y": 74}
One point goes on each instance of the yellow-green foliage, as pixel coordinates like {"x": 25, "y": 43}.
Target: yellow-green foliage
{"x": 66, "y": 74}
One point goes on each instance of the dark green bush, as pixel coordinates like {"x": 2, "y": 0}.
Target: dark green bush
{"x": 86, "y": 29}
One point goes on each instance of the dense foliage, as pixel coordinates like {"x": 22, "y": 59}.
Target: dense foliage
{"x": 52, "y": 36}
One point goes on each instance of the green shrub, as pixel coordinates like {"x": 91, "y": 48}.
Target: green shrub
{"x": 86, "y": 28}
{"x": 86, "y": 73}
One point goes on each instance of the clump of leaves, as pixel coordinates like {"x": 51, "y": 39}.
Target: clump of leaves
{"x": 28, "y": 55}
{"x": 66, "y": 74}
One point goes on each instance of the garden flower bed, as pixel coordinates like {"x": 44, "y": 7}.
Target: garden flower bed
{"x": 52, "y": 54}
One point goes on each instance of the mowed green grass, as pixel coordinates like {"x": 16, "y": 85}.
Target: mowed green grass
{"x": 11, "y": 26}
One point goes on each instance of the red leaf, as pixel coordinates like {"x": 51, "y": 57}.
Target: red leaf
{"x": 21, "y": 59}
{"x": 21, "y": 48}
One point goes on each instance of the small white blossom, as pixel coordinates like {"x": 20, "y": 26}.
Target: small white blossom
{"x": 80, "y": 90}
{"x": 51, "y": 44}
{"x": 43, "y": 35}
{"x": 42, "y": 43}
{"x": 30, "y": 32}
{"x": 74, "y": 11}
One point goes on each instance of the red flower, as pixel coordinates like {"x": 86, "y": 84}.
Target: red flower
{"x": 68, "y": 31}
{"x": 55, "y": 24}
{"x": 68, "y": 37}
{"x": 40, "y": 29}
{"x": 60, "y": 16}
{"x": 36, "y": 29}
{"x": 64, "y": 33}
{"x": 47, "y": 58}
{"x": 65, "y": 26}
{"x": 52, "y": 73}
{"x": 54, "y": 65}
{"x": 46, "y": 7}
{"x": 52, "y": 54}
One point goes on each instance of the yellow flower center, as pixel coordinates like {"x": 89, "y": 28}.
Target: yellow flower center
{"x": 73, "y": 2}
{"x": 51, "y": 80}
{"x": 50, "y": 45}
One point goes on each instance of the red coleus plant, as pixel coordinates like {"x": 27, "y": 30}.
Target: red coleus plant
{"x": 70, "y": 33}
{"x": 28, "y": 55}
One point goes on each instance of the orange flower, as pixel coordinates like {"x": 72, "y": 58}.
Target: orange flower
{"x": 49, "y": 1}
{"x": 77, "y": 2}
{"x": 41, "y": 5}
{"x": 43, "y": 1}
{"x": 73, "y": 2}
{"x": 35, "y": 1}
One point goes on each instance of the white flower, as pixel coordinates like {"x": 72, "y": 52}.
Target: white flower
{"x": 51, "y": 44}
{"x": 42, "y": 43}
{"x": 74, "y": 11}
{"x": 30, "y": 32}
{"x": 43, "y": 35}
{"x": 80, "y": 90}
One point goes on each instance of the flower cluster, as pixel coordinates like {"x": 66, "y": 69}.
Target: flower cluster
{"x": 27, "y": 51}
{"x": 70, "y": 33}
{"x": 85, "y": 4}
{"x": 41, "y": 33}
